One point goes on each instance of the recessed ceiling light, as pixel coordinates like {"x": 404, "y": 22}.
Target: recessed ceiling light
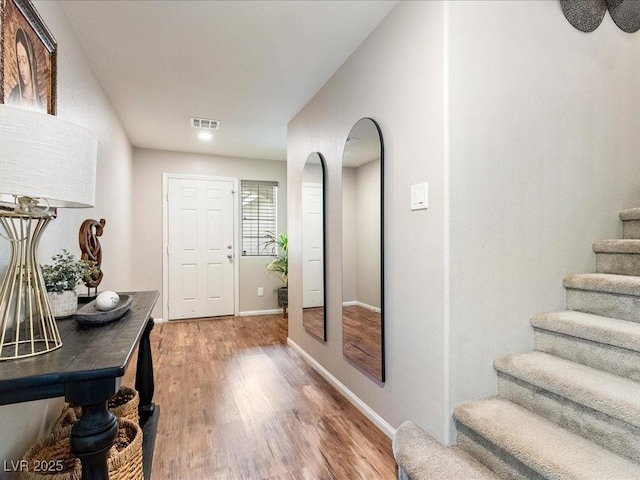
{"x": 205, "y": 135}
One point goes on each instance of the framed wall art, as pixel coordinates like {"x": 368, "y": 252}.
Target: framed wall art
{"x": 27, "y": 58}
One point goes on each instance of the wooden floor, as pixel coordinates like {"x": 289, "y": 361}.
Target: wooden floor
{"x": 238, "y": 403}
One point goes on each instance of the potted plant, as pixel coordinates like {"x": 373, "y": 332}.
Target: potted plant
{"x": 278, "y": 246}
{"x": 61, "y": 279}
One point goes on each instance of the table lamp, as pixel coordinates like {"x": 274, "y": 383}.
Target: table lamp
{"x": 46, "y": 163}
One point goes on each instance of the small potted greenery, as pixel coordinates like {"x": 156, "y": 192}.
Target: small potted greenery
{"x": 61, "y": 279}
{"x": 278, "y": 246}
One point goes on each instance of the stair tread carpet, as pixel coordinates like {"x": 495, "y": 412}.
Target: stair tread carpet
{"x": 629, "y": 246}
{"x": 630, "y": 214}
{"x": 606, "y": 330}
{"x": 541, "y": 445}
{"x": 422, "y": 457}
{"x": 603, "y": 282}
{"x": 602, "y": 391}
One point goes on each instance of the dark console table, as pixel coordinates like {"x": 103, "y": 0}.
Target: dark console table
{"x": 87, "y": 371}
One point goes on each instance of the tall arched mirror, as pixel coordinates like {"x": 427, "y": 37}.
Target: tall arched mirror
{"x": 313, "y": 235}
{"x": 362, "y": 248}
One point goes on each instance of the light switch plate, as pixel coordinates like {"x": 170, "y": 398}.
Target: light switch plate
{"x": 420, "y": 196}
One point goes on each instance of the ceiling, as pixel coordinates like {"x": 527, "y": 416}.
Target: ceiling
{"x": 252, "y": 65}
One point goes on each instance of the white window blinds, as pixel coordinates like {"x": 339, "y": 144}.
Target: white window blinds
{"x": 259, "y": 215}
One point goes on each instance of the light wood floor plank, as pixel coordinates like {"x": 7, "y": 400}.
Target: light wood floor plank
{"x": 237, "y": 403}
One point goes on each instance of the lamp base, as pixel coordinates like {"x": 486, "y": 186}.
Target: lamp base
{"x": 27, "y": 324}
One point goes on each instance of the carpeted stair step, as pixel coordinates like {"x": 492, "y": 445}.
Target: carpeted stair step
{"x": 518, "y": 444}
{"x": 592, "y": 403}
{"x": 421, "y": 457}
{"x": 599, "y": 342}
{"x": 630, "y": 223}
{"x": 616, "y": 296}
{"x": 620, "y": 257}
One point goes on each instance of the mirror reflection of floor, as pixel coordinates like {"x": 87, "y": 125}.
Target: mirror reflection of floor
{"x": 362, "y": 338}
{"x": 313, "y": 321}
{"x": 237, "y": 402}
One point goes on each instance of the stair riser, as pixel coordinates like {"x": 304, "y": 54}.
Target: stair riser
{"x": 631, "y": 229}
{"x": 622, "y": 307}
{"x": 618, "y": 361}
{"x": 618, "y": 263}
{"x": 503, "y": 464}
{"x": 616, "y": 435}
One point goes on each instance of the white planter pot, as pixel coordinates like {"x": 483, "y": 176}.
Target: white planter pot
{"x": 63, "y": 304}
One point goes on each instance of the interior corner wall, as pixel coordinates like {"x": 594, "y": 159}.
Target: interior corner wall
{"x": 395, "y": 77}
{"x": 148, "y": 167}
{"x": 544, "y": 146}
{"x": 80, "y": 99}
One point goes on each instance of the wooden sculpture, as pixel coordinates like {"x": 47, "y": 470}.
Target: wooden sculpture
{"x": 90, "y": 230}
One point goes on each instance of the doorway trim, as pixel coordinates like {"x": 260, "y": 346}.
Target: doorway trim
{"x": 165, "y": 237}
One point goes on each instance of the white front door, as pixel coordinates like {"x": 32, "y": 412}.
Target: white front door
{"x": 312, "y": 246}
{"x": 200, "y": 248}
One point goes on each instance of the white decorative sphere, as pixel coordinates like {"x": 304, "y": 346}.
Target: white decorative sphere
{"x": 107, "y": 301}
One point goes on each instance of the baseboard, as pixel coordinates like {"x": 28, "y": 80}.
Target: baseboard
{"x": 251, "y": 313}
{"x": 363, "y": 305}
{"x": 159, "y": 320}
{"x": 378, "y": 421}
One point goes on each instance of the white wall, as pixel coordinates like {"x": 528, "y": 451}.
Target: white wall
{"x": 399, "y": 67}
{"x": 544, "y": 154}
{"x": 148, "y": 167}
{"x": 82, "y": 100}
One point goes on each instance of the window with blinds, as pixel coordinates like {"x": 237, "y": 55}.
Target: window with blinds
{"x": 259, "y": 215}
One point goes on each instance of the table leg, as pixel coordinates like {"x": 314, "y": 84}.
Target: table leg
{"x": 144, "y": 375}
{"x": 92, "y": 437}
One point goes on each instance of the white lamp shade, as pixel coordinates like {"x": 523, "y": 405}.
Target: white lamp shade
{"x": 46, "y": 157}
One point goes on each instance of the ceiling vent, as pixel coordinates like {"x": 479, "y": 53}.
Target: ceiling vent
{"x": 205, "y": 123}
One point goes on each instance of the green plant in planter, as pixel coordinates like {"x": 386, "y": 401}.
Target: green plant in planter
{"x": 278, "y": 246}
{"x": 66, "y": 272}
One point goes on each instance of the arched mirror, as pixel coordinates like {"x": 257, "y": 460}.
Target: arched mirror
{"x": 313, "y": 235}
{"x": 362, "y": 248}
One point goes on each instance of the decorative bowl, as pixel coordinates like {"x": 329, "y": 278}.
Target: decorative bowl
{"x": 88, "y": 314}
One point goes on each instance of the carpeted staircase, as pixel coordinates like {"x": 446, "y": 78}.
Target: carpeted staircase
{"x": 571, "y": 408}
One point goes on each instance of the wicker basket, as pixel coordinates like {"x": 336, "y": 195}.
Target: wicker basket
{"x": 124, "y": 404}
{"x": 53, "y": 459}
{"x": 67, "y": 418}
{"x": 54, "y": 450}
{"x": 125, "y": 457}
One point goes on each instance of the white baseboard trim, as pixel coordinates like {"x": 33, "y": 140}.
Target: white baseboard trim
{"x": 363, "y": 305}
{"x": 379, "y": 422}
{"x": 159, "y": 320}
{"x": 251, "y": 313}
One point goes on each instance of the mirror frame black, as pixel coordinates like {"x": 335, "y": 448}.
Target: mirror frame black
{"x": 323, "y": 337}
{"x": 382, "y": 372}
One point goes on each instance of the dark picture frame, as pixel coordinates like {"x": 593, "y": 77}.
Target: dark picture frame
{"x": 24, "y": 35}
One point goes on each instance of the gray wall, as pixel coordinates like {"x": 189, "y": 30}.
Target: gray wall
{"x": 396, "y": 78}
{"x": 81, "y": 100}
{"x": 543, "y": 155}
{"x": 526, "y": 131}
{"x": 361, "y": 234}
{"x": 368, "y": 236}
{"x": 148, "y": 167}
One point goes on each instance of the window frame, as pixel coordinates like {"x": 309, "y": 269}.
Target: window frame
{"x": 266, "y": 220}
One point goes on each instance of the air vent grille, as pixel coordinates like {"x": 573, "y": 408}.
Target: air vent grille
{"x": 205, "y": 123}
